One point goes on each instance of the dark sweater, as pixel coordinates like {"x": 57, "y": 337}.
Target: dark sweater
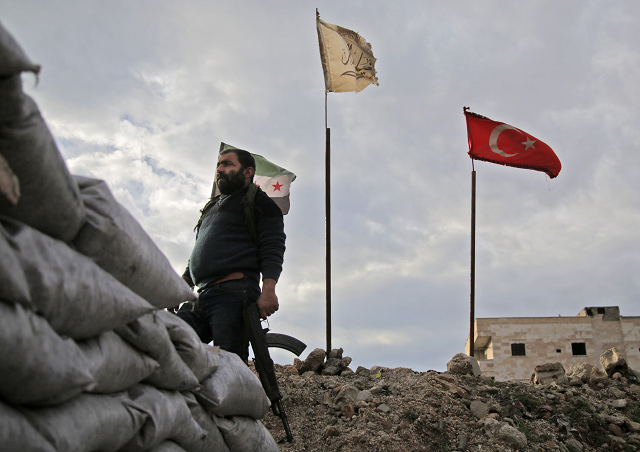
{"x": 223, "y": 244}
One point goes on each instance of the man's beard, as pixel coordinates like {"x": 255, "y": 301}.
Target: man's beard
{"x": 228, "y": 183}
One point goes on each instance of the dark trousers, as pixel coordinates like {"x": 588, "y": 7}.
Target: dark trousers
{"x": 217, "y": 314}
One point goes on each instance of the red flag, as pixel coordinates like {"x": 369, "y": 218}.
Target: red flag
{"x": 497, "y": 142}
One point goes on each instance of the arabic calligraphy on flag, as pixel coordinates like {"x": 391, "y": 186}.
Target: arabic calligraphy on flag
{"x": 347, "y": 59}
{"x": 274, "y": 180}
{"x": 497, "y": 142}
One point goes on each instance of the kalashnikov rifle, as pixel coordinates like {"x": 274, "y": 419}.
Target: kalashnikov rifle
{"x": 261, "y": 340}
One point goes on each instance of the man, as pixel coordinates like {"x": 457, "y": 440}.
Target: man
{"x": 225, "y": 264}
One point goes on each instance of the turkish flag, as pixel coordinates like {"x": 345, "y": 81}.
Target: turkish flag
{"x": 497, "y": 142}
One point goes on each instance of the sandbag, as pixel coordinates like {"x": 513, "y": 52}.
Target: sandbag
{"x": 117, "y": 243}
{"x": 13, "y": 60}
{"x": 88, "y": 423}
{"x": 149, "y": 335}
{"x": 78, "y": 298}
{"x": 214, "y": 437}
{"x": 49, "y": 197}
{"x": 13, "y": 282}
{"x": 168, "y": 446}
{"x": 114, "y": 364}
{"x": 168, "y": 417}
{"x": 37, "y": 367}
{"x": 17, "y": 434}
{"x": 243, "y": 434}
{"x": 233, "y": 390}
{"x": 189, "y": 346}
{"x": 9, "y": 186}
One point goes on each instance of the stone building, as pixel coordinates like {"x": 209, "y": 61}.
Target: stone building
{"x": 510, "y": 348}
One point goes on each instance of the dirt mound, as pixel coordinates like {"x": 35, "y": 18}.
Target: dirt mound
{"x": 401, "y": 410}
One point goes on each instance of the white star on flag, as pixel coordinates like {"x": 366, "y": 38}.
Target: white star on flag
{"x": 529, "y": 143}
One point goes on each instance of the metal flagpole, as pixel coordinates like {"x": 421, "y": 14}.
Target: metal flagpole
{"x": 328, "y": 222}
{"x": 473, "y": 260}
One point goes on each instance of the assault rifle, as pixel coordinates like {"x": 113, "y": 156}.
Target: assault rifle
{"x": 261, "y": 340}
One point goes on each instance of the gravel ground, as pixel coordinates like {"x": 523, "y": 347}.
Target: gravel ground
{"x": 382, "y": 409}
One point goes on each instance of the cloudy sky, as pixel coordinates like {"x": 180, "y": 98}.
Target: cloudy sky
{"x": 141, "y": 94}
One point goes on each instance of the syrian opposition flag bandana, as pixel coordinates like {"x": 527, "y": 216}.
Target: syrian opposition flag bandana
{"x": 497, "y": 142}
{"x": 274, "y": 180}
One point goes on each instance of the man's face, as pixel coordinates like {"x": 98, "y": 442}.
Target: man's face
{"x": 231, "y": 175}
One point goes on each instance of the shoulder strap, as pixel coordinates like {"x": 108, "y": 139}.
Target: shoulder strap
{"x": 249, "y": 205}
{"x": 204, "y": 211}
{"x": 248, "y": 201}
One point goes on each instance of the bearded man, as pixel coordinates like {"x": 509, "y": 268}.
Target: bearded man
{"x": 225, "y": 264}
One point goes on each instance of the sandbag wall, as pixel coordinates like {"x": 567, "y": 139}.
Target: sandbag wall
{"x": 89, "y": 358}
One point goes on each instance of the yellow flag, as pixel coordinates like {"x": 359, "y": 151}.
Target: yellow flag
{"x": 347, "y": 59}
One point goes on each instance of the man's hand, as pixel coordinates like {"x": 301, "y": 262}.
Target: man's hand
{"x": 268, "y": 300}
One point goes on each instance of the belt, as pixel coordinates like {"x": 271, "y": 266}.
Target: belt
{"x": 229, "y": 277}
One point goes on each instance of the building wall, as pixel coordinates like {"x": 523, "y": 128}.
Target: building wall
{"x": 549, "y": 339}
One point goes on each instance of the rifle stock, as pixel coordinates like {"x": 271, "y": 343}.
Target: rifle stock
{"x": 263, "y": 362}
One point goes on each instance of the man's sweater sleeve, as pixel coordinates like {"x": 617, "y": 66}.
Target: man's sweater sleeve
{"x": 271, "y": 238}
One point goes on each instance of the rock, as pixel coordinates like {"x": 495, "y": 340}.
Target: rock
{"x": 362, "y": 371}
{"x": 612, "y": 361}
{"x": 462, "y": 364}
{"x": 479, "y": 409}
{"x": 314, "y": 361}
{"x": 364, "y": 396}
{"x": 347, "y": 395}
{"x": 633, "y": 426}
{"x": 348, "y": 411}
{"x": 549, "y": 373}
{"x": 291, "y": 369}
{"x": 573, "y": 445}
{"x": 335, "y": 353}
{"x": 383, "y": 408}
{"x": 510, "y": 436}
{"x": 619, "y": 403}
{"x": 596, "y": 376}
{"x": 332, "y": 430}
{"x": 580, "y": 371}
{"x": 462, "y": 442}
{"x": 335, "y": 366}
{"x": 615, "y": 430}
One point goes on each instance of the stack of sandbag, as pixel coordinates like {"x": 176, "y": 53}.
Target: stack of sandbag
{"x": 89, "y": 360}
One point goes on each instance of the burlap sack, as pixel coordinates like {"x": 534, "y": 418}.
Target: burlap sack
{"x": 38, "y": 367}
{"x": 214, "y": 437}
{"x": 88, "y": 423}
{"x": 13, "y": 60}
{"x": 233, "y": 390}
{"x": 17, "y": 434}
{"x": 114, "y": 364}
{"x": 149, "y": 335}
{"x": 167, "y": 417}
{"x": 117, "y": 243}
{"x": 189, "y": 346}
{"x": 49, "y": 198}
{"x": 168, "y": 446}
{"x": 9, "y": 186}
{"x": 243, "y": 434}
{"x": 13, "y": 282}
{"x": 78, "y": 298}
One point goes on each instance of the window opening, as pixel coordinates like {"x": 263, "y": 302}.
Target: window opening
{"x": 518, "y": 350}
{"x": 579, "y": 348}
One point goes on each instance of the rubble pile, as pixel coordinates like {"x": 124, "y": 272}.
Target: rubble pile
{"x": 89, "y": 358}
{"x": 383, "y": 409}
